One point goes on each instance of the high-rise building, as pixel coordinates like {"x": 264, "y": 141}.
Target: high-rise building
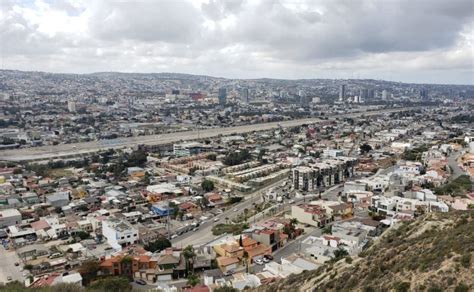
{"x": 71, "y": 106}
{"x": 371, "y": 94}
{"x": 245, "y": 95}
{"x": 342, "y": 92}
{"x": 363, "y": 94}
{"x": 423, "y": 94}
{"x": 384, "y": 94}
{"x": 222, "y": 96}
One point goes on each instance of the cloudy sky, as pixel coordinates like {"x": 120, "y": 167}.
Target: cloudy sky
{"x": 408, "y": 40}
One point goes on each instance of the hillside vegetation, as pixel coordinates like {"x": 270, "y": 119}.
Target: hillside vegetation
{"x": 433, "y": 253}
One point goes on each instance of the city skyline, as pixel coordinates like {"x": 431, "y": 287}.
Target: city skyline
{"x": 398, "y": 41}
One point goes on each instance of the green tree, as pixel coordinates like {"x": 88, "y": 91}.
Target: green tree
{"x": 245, "y": 257}
{"x": 340, "y": 253}
{"x": 158, "y": 245}
{"x": 193, "y": 280}
{"x": 365, "y": 148}
{"x": 137, "y": 158}
{"x": 207, "y": 185}
{"x": 189, "y": 254}
{"x": 88, "y": 271}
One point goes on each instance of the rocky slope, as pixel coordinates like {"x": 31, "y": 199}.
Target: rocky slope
{"x": 433, "y": 253}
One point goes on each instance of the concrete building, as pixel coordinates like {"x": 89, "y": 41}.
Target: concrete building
{"x": 222, "y": 96}
{"x": 9, "y": 217}
{"x": 313, "y": 215}
{"x": 119, "y": 233}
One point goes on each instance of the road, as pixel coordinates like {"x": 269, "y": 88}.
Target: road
{"x": 453, "y": 164}
{"x": 204, "y": 233}
{"x": 8, "y": 258}
{"x": 65, "y": 150}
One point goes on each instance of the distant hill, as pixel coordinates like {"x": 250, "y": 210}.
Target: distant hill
{"x": 433, "y": 253}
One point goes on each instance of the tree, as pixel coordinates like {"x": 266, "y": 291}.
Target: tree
{"x": 340, "y": 253}
{"x": 88, "y": 271}
{"x": 207, "y": 185}
{"x": 137, "y": 158}
{"x": 246, "y": 213}
{"x": 116, "y": 284}
{"x": 158, "y": 245}
{"x": 365, "y": 148}
{"x": 188, "y": 254}
{"x": 245, "y": 257}
{"x": 193, "y": 280}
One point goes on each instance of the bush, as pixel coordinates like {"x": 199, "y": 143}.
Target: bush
{"x": 461, "y": 288}
{"x": 466, "y": 260}
{"x": 116, "y": 284}
{"x": 402, "y": 286}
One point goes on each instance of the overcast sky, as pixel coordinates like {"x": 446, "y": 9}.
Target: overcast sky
{"x": 427, "y": 41}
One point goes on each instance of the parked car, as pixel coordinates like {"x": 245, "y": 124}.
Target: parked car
{"x": 140, "y": 282}
{"x": 259, "y": 261}
{"x": 268, "y": 256}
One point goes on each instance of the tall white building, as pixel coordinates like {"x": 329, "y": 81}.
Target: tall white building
{"x": 71, "y": 106}
{"x": 119, "y": 233}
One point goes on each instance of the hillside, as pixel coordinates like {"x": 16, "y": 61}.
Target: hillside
{"x": 433, "y": 253}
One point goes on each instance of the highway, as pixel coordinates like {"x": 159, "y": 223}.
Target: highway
{"x": 68, "y": 150}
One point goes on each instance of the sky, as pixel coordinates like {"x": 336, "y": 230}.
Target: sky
{"x": 421, "y": 41}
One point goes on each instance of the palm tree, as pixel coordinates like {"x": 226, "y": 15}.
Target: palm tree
{"x": 245, "y": 257}
{"x": 189, "y": 254}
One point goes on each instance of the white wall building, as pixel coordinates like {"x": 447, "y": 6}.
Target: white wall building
{"x": 9, "y": 217}
{"x": 119, "y": 233}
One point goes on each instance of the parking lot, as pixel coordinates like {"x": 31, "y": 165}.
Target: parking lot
{"x": 8, "y": 258}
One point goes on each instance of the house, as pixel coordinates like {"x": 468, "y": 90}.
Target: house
{"x": 229, "y": 249}
{"x": 162, "y": 210}
{"x": 268, "y": 237}
{"x": 119, "y": 233}
{"x": 313, "y": 215}
{"x": 59, "y": 199}
{"x": 9, "y": 217}
{"x": 241, "y": 281}
{"x": 340, "y": 211}
{"x": 227, "y": 264}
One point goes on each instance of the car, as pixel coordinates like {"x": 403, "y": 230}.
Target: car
{"x": 291, "y": 201}
{"x": 216, "y": 219}
{"x": 259, "y": 261}
{"x": 228, "y": 273}
{"x": 17, "y": 264}
{"x": 236, "y": 210}
{"x": 140, "y": 282}
{"x": 174, "y": 236}
{"x": 195, "y": 229}
{"x": 9, "y": 278}
{"x": 268, "y": 256}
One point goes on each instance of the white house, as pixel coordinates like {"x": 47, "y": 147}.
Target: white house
{"x": 119, "y": 233}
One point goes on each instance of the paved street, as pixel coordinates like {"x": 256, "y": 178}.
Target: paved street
{"x": 8, "y": 258}
{"x": 453, "y": 164}
{"x": 204, "y": 233}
